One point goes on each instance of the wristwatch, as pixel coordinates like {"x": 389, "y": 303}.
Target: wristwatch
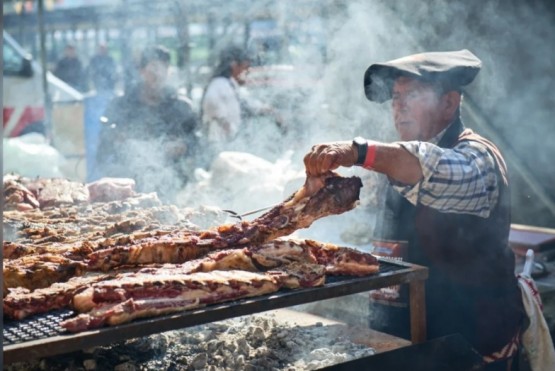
{"x": 361, "y": 145}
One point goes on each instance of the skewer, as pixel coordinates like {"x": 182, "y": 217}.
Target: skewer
{"x": 241, "y": 216}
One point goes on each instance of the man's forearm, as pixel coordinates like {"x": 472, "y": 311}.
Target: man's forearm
{"x": 397, "y": 163}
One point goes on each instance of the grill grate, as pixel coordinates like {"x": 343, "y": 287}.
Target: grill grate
{"x": 36, "y": 327}
{"x": 47, "y": 325}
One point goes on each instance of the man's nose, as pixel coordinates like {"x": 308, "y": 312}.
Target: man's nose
{"x": 400, "y": 104}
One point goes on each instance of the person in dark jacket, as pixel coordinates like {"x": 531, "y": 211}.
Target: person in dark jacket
{"x": 148, "y": 133}
{"x": 70, "y": 69}
{"x": 448, "y": 197}
{"x": 102, "y": 70}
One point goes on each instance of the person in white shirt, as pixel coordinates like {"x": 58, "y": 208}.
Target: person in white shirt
{"x": 225, "y": 105}
{"x": 221, "y": 105}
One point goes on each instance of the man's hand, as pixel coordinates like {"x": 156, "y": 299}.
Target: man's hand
{"x": 329, "y": 156}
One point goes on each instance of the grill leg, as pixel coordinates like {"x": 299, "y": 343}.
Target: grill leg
{"x": 417, "y": 311}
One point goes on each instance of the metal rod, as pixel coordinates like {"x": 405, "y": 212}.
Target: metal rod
{"x": 258, "y": 210}
{"x": 44, "y": 66}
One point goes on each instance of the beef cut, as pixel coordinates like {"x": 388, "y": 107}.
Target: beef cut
{"x": 319, "y": 197}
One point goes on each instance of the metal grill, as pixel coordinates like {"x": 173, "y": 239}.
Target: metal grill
{"x": 41, "y": 335}
{"x": 35, "y": 327}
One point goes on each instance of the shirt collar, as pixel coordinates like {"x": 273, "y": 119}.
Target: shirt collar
{"x": 437, "y": 138}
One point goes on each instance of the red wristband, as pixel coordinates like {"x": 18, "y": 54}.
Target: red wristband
{"x": 370, "y": 157}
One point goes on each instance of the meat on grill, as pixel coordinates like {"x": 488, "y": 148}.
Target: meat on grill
{"x": 333, "y": 195}
{"x": 333, "y": 259}
{"x": 21, "y": 302}
{"x": 57, "y": 191}
{"x": 284, "y": 252}
{"x": 337, "y": 260}
{"x": 125, "y": 298}
{"x": 38, "y": 271}
{"x": 14, "y": 250}
{"x": 255, "y": 259}
{"x": 17, "y": 196}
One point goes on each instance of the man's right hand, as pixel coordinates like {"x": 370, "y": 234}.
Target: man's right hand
{"x": 329, "y": 156}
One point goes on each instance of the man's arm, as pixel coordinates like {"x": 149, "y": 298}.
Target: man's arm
{"x": 460, "y": 180}
{"x": 392, "y": 160}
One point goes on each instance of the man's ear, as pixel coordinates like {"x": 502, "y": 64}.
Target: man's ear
{"x": 451, "y": 102}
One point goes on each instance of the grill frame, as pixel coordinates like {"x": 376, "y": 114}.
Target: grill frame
{"x": 34, "y": 344}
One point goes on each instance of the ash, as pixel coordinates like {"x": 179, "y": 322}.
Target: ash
{"x": 252, "y": 343}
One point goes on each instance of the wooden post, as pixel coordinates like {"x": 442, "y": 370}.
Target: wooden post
{"x": 417, "y": 297}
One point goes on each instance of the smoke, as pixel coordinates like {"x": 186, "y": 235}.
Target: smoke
{"x": 330, "y": 46}
{"x": 147, "y": 164}
{"x": 515, "y": 42}
{"x": 512, "y": 39}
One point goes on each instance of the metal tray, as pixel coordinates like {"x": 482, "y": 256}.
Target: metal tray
{"x": 41, "y": 335}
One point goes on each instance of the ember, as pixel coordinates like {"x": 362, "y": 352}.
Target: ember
{"x": 256, "y": 342}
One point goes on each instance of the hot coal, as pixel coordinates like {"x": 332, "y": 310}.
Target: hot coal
{"x": 256, "y": 342}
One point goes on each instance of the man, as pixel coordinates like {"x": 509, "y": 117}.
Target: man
{"x": 454, "y": 209}
{"x": 102, "y": 70}
{"x": 70, "y": 70}
{"x": 148, "y": 133}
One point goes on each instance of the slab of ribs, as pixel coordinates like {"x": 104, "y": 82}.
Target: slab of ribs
{"x": 118, "y": 260}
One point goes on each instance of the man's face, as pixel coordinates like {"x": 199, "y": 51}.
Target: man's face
{"x": 155, "y": 74}
{"x": 417, "y": 109}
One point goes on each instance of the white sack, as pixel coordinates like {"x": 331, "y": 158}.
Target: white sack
{"x": 30, "y": 155}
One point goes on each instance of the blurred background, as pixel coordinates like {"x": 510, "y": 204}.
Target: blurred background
{"x": 309, "y": 58}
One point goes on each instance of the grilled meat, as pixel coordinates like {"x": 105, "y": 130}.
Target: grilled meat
{"x": 57, "y": 191}
{"x": 133, "y": 296}
{"x": 21, "y": 302}
{"x": 38, "y": 271}
{"x": 337, "y": 260}
{"x": 17, "y": 196}
{"x": 126, "y": 298}
{"x": 334, "y": 196}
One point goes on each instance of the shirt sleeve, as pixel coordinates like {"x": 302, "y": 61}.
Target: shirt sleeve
{"x": 459, "y": 180}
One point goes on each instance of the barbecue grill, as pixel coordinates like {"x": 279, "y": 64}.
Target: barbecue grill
{"x": 41, "y": 336}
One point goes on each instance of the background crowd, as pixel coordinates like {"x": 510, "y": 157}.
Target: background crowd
{"x": 149, "y": 130}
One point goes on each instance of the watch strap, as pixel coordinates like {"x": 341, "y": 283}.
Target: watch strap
{"x": 361, "y": 145}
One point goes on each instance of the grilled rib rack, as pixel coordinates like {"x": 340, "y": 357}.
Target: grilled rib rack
{"x": 41, "y": 335}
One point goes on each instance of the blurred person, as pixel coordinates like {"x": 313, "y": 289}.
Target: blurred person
{"x": 224, "y": 106}
{"x": 148, "y": 133}
{"x": 448, "y": 197}
{"x": 70, "y": 69}
{"x": 102, "y": 70}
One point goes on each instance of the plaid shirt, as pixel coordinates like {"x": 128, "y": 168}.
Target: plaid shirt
{"x": 462, "y": 179}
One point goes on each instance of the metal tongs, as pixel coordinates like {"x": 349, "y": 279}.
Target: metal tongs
{"x": 528, "y": 264}
{"x": 233, "y": 214}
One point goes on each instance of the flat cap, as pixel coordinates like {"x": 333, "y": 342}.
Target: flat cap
{"x": 455, "y": 69}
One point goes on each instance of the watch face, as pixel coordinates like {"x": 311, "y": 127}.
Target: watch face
{"x": 359, "y": 141}
{"x": 362, "y": 148}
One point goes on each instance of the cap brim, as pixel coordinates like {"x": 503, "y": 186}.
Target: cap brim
{"x": 378, "y": 82}
{"x": 455, "y": 69}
